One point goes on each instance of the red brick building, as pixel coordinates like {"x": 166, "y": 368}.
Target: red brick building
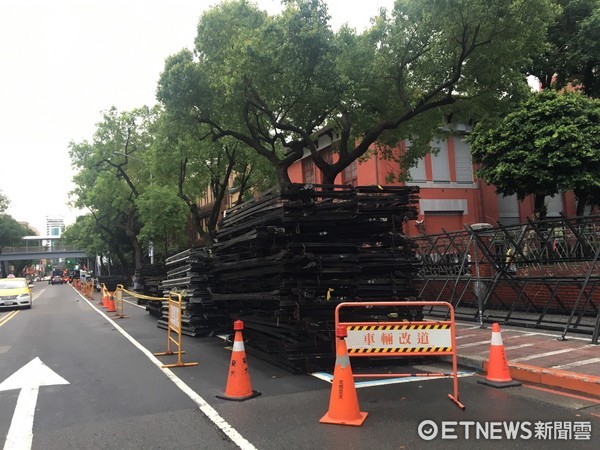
{"x": 451, "y": 195}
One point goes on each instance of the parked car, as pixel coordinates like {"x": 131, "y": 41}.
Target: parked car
{"x": 57, "y": 279}
{"x": 15, "y": 293}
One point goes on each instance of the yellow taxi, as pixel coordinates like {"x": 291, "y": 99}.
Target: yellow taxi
{"x": 15, "y": 293}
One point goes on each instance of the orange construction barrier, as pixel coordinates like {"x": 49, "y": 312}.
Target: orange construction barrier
{"x": 104, "y": 297}
{"x": 343, "y": 402}
{"x": 174, "y": 326}
{"x": 498, "y": 375}
{"x": 238, "y": 381}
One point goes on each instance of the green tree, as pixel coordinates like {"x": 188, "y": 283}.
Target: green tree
{"x": 86, "y": 235}
{"x": 11, "y": 233}
{"x": 164, "y": 216}
{"x": 186, "y": 158}
{"x": 572, "y": 53}
{"x": 271, "y": 82}
{"x": 4, "y": 202}
{"x": 112, "y": 175}
{"x": 550, "y": 144}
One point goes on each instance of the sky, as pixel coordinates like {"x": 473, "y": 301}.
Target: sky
{"x": 63, "y": 62}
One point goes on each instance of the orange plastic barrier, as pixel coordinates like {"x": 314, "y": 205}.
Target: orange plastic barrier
{"x": 174, "y": 326}
{"x": 397, "y": 339}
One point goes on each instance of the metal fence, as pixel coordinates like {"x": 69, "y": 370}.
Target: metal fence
{"x": 540, "y": 274}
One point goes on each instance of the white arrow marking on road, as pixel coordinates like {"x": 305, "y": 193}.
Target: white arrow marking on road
{"x": 28, "y": 379}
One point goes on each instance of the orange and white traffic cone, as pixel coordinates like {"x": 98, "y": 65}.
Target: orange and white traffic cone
{"x": 111, "y": 303}
{"x": 343, "y": 401}
{"x": 498, "y": 375}
{"x": 238, "y": 381}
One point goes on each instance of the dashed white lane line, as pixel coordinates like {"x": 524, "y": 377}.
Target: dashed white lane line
{"x": 208, "y": 410}
{"x": 583, "y": 362}
{"x": 543, "y": 355}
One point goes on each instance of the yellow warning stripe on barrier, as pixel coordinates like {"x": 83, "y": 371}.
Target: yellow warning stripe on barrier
{"x": 400, "y": 350}
{"x": 397, "y": 327}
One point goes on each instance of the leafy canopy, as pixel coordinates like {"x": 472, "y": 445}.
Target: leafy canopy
{"x": 550, "y": 144}
{"x": 271, "y": 82}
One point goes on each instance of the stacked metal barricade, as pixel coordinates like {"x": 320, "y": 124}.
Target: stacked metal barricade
{"x": 189, "y": 274}
{"x": 285, "y": 260}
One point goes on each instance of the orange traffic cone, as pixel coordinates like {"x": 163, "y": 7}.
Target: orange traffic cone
{"x": 498, "y": 375}
{"x": 343, "y": 402}
{"x": 238, "y": 381}
{"x": 105, "y": 298}
{"x": 111, "y": 303}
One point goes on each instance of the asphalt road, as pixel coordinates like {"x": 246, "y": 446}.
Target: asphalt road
{"x": 118, "y": 396}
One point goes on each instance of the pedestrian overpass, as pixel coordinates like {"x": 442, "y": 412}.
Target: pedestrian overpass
{"x": 24, "y": 253}
{"x": 40, "y": 247}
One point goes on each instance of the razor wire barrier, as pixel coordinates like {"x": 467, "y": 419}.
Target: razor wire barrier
{"x": 539, "y": 274}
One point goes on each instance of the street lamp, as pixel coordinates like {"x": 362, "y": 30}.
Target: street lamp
{"x": 150, "y": 243}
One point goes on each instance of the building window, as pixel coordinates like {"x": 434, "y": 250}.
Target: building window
{"x": 417, "y": 173}
{"x": 440, "y": 168}
{"x": 308, "y": 170}
{"x": 463, "y": 161}
{"x": 508, "y": 209}
{"x": 349, "y": 174}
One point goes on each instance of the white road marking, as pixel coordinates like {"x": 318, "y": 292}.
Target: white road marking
{"x": 465, "y": 336}
{"x": 475, "y": 344}
{"x": 328, "y": 377}
{"x": 583, "y": 362}
{"x": 528, "y": 332}
{"x": 28, "y": 380}
{"x": 134, "y": 304}
{"x": 208, "y": 410}
{"x": 543, "y": 355}
{"x": 514, "y": 347}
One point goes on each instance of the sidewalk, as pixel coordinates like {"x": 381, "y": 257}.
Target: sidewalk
{"x": 535, "y": 356}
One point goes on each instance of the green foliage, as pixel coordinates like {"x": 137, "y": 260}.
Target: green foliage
{"x": 550, "y": 144}
{"x": 11, "y": 232}
{"x": 4, "y": 202}
{"x": 572, "y": 53}
{"x": 113, "y": 172}
{"x": 84, "y": 234}
{"x": 164, "y": 216}
{"x": 270, "y": 82}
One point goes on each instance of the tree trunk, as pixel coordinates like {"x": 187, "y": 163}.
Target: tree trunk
{"x": 138, "y": 254}
{"x": 582, "y": 199}
{"x": 540, "y": 206}
{"x": 283, "y": 177}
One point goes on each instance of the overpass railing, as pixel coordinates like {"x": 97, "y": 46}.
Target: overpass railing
{"x": 39, "y": 248}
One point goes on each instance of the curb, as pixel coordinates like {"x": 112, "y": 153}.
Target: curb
{"x": 588, "y": 384}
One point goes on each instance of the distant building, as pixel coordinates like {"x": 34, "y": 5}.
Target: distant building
{"x": 54, "y": 226}
{"x": 27, "y": 225}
